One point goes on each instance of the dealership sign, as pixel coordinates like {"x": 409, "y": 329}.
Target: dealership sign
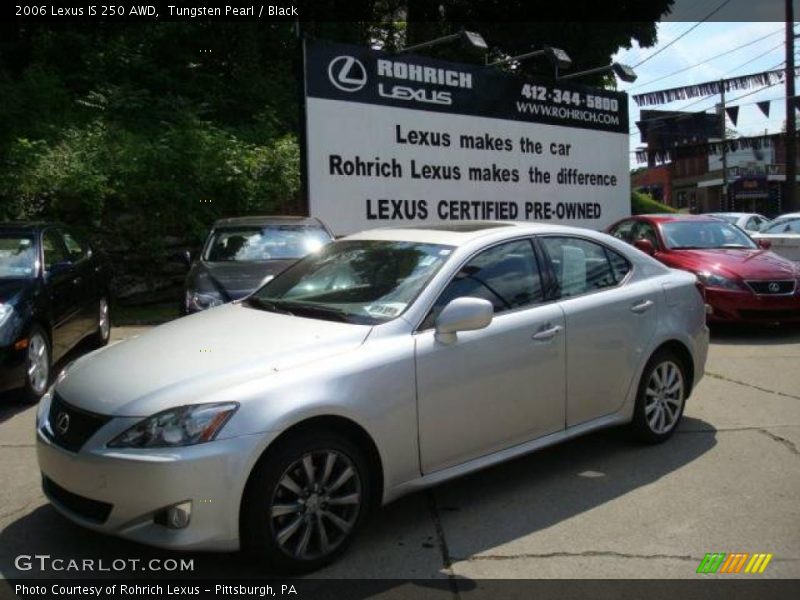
{"x": 403, "y": 139}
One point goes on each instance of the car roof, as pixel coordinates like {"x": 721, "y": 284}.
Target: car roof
{"x": 731, "y": 214}
{"x": 256, "y": 220}
{"x": 788, "y": 216}
{"x": 25, "y": 226}
{"x": 457, "y": 234}
{"x": 669, "y": 217}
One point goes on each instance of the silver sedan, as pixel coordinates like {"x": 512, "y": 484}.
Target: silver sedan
{"x": 383, "y": 363}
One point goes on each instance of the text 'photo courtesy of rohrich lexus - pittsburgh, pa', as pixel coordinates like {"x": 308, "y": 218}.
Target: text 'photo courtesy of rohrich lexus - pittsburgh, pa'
{"x": 275, "y": 423}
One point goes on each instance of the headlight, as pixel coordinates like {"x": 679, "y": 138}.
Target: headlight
{"x": 202, "y": 300}
{"x": 182, "y": 426}
{"x": 6, "y": 310}
{"x": 717, "y": 281}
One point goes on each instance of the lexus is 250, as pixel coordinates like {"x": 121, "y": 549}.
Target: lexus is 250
{"x": 382, "y": 363}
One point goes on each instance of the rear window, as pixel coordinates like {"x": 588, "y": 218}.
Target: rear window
{"x": 17, "y": 256}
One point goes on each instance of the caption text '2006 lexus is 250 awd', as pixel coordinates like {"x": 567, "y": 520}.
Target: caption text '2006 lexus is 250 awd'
{"x": 382, "y": 363}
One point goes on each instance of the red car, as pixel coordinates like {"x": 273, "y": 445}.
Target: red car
{"x": 742, "y": 281}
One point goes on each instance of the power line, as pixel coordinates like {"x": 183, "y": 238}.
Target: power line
{"x": 708, "y": 60}
{"x": 755, "y": 58}
{"x": 692, "y": 28}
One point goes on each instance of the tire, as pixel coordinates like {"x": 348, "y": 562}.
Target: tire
{"x": 38, "y": 365}
{"x": 659, "y": 407}
{"x": 286, "y": 535}
{"x": 103, "y": 316}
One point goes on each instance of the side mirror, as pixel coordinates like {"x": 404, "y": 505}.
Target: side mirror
{"x": 765, "y": 244}
{"x": 645, "y": 246}
{"x": 463, "y": 314}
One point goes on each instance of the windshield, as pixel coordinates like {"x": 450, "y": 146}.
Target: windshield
{"x": 688, "y": 235}
{"x": 732, "y": 219}
{"x": 354, "y": 281}
{"x": 264, "y": 242}
{"x": 17, "y": 257}
{"x": 783, "y": 226}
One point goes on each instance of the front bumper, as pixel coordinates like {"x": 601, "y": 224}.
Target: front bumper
{"x": 131, "y": 486}
{"x": 733, "y": 306}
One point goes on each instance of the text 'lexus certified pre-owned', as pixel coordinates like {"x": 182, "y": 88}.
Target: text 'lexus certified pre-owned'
{"x": 384, "y": 362}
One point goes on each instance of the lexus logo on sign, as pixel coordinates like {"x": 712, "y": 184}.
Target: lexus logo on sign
{"x": 62, "y": 423}
{"x": 347, "y": 73}
{"x": 774, "y": 287}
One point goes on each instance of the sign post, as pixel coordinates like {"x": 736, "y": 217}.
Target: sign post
{"x": 403, "y": 139}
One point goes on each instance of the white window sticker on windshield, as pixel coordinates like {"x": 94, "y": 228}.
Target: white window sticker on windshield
{"x": 427, "y": 261}
{"x": 389, "y": 309}
{"x": 445, "y": 252}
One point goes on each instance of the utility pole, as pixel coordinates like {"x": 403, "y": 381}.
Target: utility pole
{"x": 790, "y": 142}
{"x": 723, "y": 126}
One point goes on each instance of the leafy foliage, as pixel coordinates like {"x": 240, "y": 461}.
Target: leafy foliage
{"x": 643, "y": 204}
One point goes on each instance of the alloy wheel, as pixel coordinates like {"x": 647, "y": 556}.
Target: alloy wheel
{"x": 664, "y": 397}
{"x": 315, "y": 504}
{"x": 103, "y": 321}
{"x": 38, "y": 363}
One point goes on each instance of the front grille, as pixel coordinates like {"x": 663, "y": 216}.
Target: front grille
{"x": 70, "y": 427}
{"x": 91, "y": 510}
{"x": 772, "y": 288}
{"x": 771, "y": 315}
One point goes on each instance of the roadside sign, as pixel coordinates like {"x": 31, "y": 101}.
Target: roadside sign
{"x": 404, "y": 139}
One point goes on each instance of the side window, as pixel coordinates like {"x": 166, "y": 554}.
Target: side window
{"x": 619, "y": 265}
{"x": 645, "y": 231}
{"x": 580, "y": 266}
{"x": 53, "y": 247}
{"x": 624, "y": 231}
{"x": 75, "y": 248}
{"x": 506, "y": 275}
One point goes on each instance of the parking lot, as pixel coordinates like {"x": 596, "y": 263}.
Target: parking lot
{"x": 596, "y": 507}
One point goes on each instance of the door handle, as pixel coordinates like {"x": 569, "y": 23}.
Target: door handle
{"x": 546, "y": 334}
{"x": 642, "y": 306}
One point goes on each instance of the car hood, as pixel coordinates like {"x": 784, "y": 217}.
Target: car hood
{"x": 186, "y": 360}
{"x": 736, "y": 262}
{"x": 9, "y": 288}
{"x": 236, "y": 279}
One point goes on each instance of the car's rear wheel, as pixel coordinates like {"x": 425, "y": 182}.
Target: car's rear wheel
{"x": 103, "y": 332}
{"x": 304, "y": 502}
{"x": 37, "y": 365}
{"x": 661, "y": 397}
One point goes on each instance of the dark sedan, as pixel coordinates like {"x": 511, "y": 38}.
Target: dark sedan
{"x": 243, "y": 253}
{"x": 54, "y": 292}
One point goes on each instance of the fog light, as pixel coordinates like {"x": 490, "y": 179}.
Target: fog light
{"x": 174, "y": 517}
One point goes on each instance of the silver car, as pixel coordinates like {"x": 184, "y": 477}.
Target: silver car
{"x": 385, "y": 362}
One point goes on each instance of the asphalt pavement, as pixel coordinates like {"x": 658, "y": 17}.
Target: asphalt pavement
{"x": 596, "y": 507}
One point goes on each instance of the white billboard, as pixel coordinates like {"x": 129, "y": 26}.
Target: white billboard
{"x": 399, "y": 140}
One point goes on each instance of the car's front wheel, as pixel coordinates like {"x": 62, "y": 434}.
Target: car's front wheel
{"x": 304, "y": 502}
{"x": 661, "y": 397}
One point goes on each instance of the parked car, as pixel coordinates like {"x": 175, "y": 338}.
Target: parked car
{"x": 387, "y": 361}
{"x": 743, "y": 281}
{"x": 750, "y": 222}
{"x": 54, "y": 292}
{"x": 783, "y": 235}
{"x": 241, "y": 254}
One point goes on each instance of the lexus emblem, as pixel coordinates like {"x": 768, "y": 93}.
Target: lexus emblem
{"x": 347, "y": 73}
{"x": 62, "y": 423}
{"x": 774, "y": 287}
